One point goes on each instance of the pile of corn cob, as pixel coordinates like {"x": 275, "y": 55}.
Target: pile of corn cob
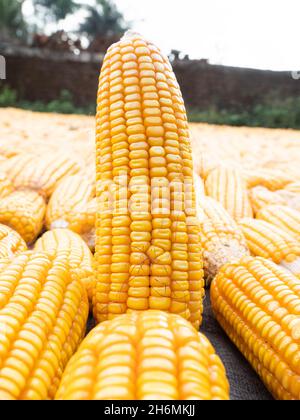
{"x": 160, "y": 229}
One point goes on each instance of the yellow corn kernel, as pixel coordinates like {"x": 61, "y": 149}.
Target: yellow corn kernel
{"x": 283, "y": 217}
{"x": 11, "y": 243}
{"x": 141, "y": 356}
{"x": 227, "y": 186}
{"x": 24, "y": 212}
{"x": 261, "y": 197}
{"x": 258, "y": 305}
{"x": 145, "y": 191}
{"x": 43, "y": 314}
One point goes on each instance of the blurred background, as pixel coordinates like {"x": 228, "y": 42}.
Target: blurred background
{"x": 237, "y": 61}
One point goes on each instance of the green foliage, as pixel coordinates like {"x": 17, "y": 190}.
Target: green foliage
{"x": 103, "y": 19}
{"x": 62, "y": 105}
{"x": 273, "y": 113}
{"x": 54, "y": 10}
{"x": 12, "y": 23}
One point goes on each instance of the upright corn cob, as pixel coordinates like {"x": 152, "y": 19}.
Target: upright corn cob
{"x": 261, "y": 197}
{"x": 6, "y": 186}
{"x": 11, "y": 242}
{"x": 43, "y": 314}
{"x": 269, "y": 178}
{"x": 283, "y": 217}
{"x": 40, "y": 174}
{"x": 269, "y": 241}
{"x": 258, "y": 305}
{"x": 148, "y": 253}
{"x": 148, "y": 355}
{"x": 64, "y": 242}
{"x": 227, "y": 186}
{"x": 73, "y": 206}
{"x": 24, "y": 212}
{"x": 221, "y": 238}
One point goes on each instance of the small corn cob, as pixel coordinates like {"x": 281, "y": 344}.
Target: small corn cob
{"x": 40, "y": 174}
{"x": 261, "y": 197}
{"x": 43, "y": 314}
{"x": 227, "y": 186}
{"x": 24, "y": 212}
{"x": 73, "y": 206}
{"x": 148, "y": 250}
{"x": 221, "y": 238}
{"x": 147, "y": 355}
{"x": 258, "y": 305}
{"x": 293, "y": 187}
{"x": 69, "y": 244}
{"x": 283, "y": 217}
{"x": 269, "y": 241}
{"x": 11, "y": 242}
{"x": 6, "y": 186}
{"x": 269, "y": 178}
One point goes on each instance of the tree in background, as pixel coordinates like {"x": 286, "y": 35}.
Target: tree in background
{"x": 12, "y": 23}
{"x": 103, "y": 24}
{"x": 54, "y": 10}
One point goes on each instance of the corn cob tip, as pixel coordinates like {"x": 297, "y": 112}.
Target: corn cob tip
{"x": 130, "y": 34}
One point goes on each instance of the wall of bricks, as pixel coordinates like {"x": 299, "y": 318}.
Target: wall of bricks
{"x": 42, "y": 75}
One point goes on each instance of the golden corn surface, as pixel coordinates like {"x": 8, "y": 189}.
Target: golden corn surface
{"x": 148, "y": 355}
{"x": 228, "y": 187}
{"x": 148, "y": 252}
{"x": 258, "y": 305}
{"x": 43, "y": 314}
{"x": 221, "y": 238}
{"x": 261, "y": 197}
{"x": 11, "y": 243}
{"x": 271, "y": 179}
{"x": 73, "y": 206}
{"x": 67, "y": 244}
{"x": 269, "y": 241}
{"x": 6, "y": 186}
{"x": 283, "y": 217}
{"x": 24, "y": 212}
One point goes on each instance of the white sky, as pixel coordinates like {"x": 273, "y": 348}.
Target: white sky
{"x": 249, "y": 33}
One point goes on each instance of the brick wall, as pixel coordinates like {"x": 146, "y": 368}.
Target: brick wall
{"x": 42, "y": 75}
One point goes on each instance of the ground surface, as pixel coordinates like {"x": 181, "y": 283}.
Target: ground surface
{"x": 279, "y": 148}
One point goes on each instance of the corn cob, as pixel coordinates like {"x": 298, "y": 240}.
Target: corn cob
{"x": 261, "y": 197}
{"x": 43, "y": 314}
{"x": 227, "y": 186}
{"x": 271, "y": 179}
{"x": 40, "y": 174}
{"x": 11, "y": 242}
{"x": 258, "y": 305}
{"x": 283, "y": 217}
{"x": 24, "y": 212}
{"x": 146, "y": 355}
{"x": 221, "y": 238}
{"x": 74, "y": 249}
{"x": 293, "y": 187}
{"x": 268, "y": 241}
{"x": 147, "y": 247}
{"x": 6, "y": 186}
{"x": 199, "y": 188}
{"x": 73, "y": 206}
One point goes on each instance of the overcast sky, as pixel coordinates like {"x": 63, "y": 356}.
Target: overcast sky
{"x": 249, "y": 33}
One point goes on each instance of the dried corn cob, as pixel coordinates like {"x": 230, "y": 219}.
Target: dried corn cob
{"x": 221, "y": 238}
{"x": 258, "y": 305}
{"x": 73, "y": 206}
{"x": 24, "y": 212}
{"x": 269, "y": 178}
{"x": 283, "y": 217}
{"x": 43, "y": 314}
{"x": 66, "y": 243}
{"x": 40, "y": 174}
{"x": 261, "y": 197}
{"x": 199, "y": 188}
{"x": 227, "y": 186}
{"x": 148, "y": 252}
{"x": 6, "y": 186}
{"x": 268, "y": 241}
{"x": 147, "y": 355}
{"x": 11, "y": 242}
